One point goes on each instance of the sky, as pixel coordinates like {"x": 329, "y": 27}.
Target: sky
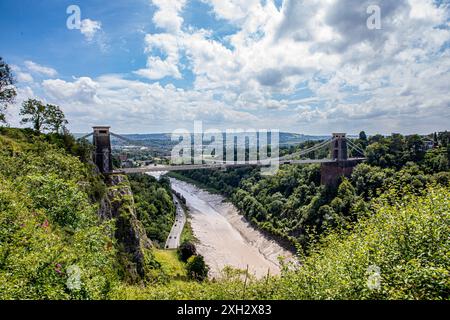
{"x": 304, "y": 66}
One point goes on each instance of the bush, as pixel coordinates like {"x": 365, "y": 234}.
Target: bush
{"x": 197, "y": 268}
{"x": 400, "y": 251}
{"x": 154, "y": 206}
{"x": 187, "y": 250}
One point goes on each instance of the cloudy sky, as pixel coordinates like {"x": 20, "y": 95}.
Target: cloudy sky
{"x": 307, "y": 66}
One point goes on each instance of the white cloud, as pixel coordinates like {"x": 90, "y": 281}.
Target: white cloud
{"x": 20, "y": 75}
{"x": 82, "y": 90}
{"x": 233, "y": 10}
{"x": 133, "y": 104}
{"x": 89, "y": 28}
{"x": 24, "y": 77}
{"x": 158, "y": 68}
{"x": 353, "y": 72}
{"x": 38, "y": 69}
{"x": 167, "y": 16}
{"x": 311, "y": 66}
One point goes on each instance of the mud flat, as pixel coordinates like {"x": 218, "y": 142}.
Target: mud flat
{"x": 225, "y": 237}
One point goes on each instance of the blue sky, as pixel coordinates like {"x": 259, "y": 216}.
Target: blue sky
{"x": 38, "y": 31}
{"x": 302, "y": 66}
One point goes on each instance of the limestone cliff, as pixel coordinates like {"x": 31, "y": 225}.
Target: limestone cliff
{"x": 132, "y": 242}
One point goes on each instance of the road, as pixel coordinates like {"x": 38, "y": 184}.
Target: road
{"x": 173, "y": 241}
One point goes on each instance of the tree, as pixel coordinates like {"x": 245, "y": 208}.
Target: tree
{"x": 197, "y": 268}
{"x": 363, "y": 136}
{"x": 35, "y": 110}
{"x": 376, "y": 153}
{"x": 7, "y": 90}
{"x": 55, "y": 120}
{"x": 43, "y": 117}
{"x": 187, "y": 250}
{"x": 416, "y": 148}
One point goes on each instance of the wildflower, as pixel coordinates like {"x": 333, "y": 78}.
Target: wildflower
{"x": 45, "y": 224}
{"x": 58, "y": 268}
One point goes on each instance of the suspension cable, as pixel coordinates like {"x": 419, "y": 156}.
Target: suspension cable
{"x": 355, "y": 147}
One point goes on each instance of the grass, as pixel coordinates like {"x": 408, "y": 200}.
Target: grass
{"x": 188, "y": 234}
{"x": 170, "y": 263}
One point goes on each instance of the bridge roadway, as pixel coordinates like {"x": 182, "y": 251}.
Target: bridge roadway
{"x": 223, "y": 165}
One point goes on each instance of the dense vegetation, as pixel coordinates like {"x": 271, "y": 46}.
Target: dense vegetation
{"x": 294, "y": 205}
{"x": 398, "y": 250}
{"x": 49, "y": 229}
{"x": 382, "y": 234}
{"x": 53, "y": 245}
{"x": 154, "y": 206}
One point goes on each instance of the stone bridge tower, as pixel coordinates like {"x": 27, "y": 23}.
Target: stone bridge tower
{"x": 102, "y": 149}
{"x": 339, "y": 149}
{"x": 332, "y": 173}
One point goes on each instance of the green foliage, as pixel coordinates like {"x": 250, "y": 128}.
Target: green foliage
{"x": 197, "y": 268}
{"x": 396, "y": 151}
{"x": 170, "y": 264}
{"x": 382, "y": 234}
{"x": 43, "y": 117}
{"x": 186, "y": 251}
{"x": 292, "y": 203}
{"x": 405, "y": 238}
{"x": 154, "y": 206}
{"x": 398, "y": 251}
{"x": 7, "y": 90}
{"x": 49, "y": 226}
{"x": 56, "y": 120}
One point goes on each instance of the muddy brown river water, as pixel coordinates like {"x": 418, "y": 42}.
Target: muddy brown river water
{"x": 225, "y": 237}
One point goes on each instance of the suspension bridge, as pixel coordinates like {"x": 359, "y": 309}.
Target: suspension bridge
{"x": 343, "y": 156}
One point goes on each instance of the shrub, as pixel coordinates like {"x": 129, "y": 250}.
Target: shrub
{"x": 197, "y": 268}
{"x": 187, "y": 250}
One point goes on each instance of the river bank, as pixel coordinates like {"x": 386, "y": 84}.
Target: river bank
{"x": 225, "y": 237}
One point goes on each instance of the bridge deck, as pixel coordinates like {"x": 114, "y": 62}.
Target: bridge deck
{"x": 223, "y": 166}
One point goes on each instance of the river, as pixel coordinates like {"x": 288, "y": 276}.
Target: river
{"x": 225, "y": 237}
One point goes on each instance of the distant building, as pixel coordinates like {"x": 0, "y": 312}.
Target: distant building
{"x": 123, "y": 157}
{"x": 429, "y": 145}
{"x": 127, "y": 164}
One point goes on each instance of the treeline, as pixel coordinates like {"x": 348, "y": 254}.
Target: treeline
{"x": 295, "y": 206}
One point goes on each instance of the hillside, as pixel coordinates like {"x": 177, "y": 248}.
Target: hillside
{"x": 50, "y": 230}
{"x": 293, "y": 204}
{"x": 400, "y": 251}
{"x": 68, "y": 233}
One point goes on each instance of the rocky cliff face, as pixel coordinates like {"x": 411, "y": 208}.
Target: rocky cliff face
{"x": 132, "y": 242}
